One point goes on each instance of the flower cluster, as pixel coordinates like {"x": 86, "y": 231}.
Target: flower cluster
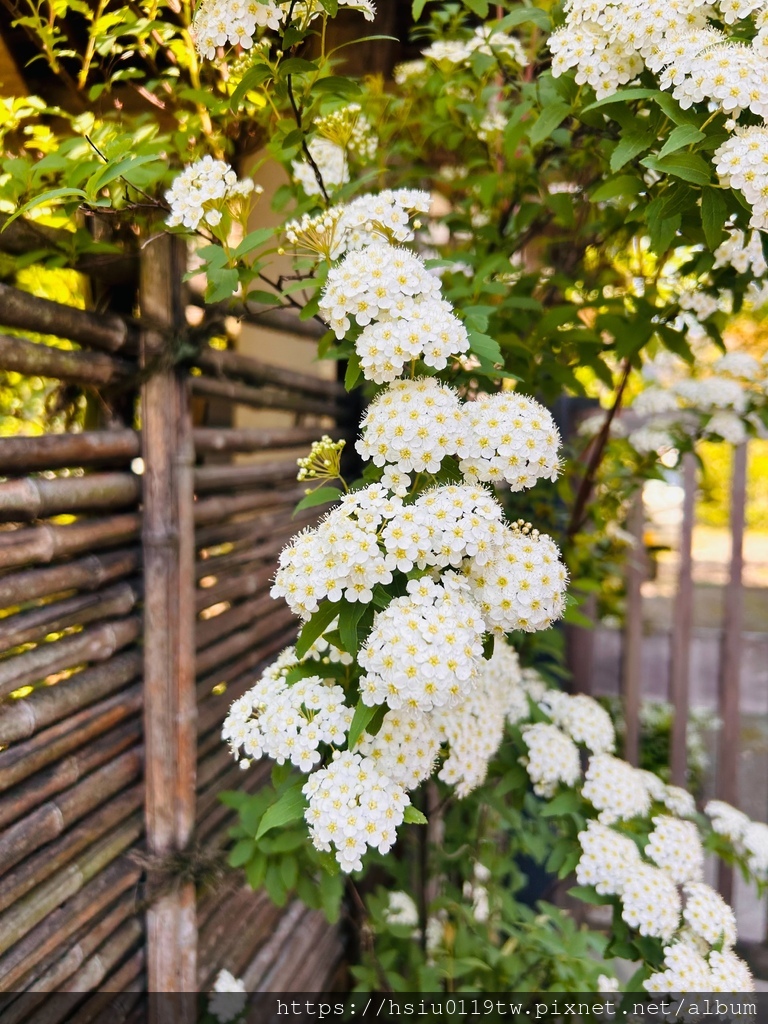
{"x": 608, "y": 858}
{"x": 505, "y": 48}
{"x": 708, "y": 915}
{"x": 553, "y": 758}
{"x": 353, "y": 806}
{"x": 328, "y": 160}
{"x": 615, "y": 789}
{"x": 675, "y": 847}
{"x": 740, "y": 162}
{"x": 582, "y": 718}
{"x": 425, "y": 648}
{"x": 203, "y": 191}
{"x": 323, "y": 461}
{"x": 749, "y": 838}
{"x": 688, "y": 970}
{"x": 220, "y": 23}
{"x": 288, "y": 722}
{"x": 405, "y": 748}
{"x": 350, "y": 129}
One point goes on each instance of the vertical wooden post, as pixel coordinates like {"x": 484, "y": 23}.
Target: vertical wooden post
{"x": 730, "y": 654}
{"x": 169, "y": 622}
{"x": 682, "y": 627}
{"x": 633, "y": 633}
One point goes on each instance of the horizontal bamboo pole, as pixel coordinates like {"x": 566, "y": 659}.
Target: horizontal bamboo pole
{"x": 56, "y": 969}
{"x": 37, "y": 868}
{"x": 209, "y": 631}
{"x": 235, "y": 478}
{"x": 103, "y": 331}
{"x": 102, "y": 886}
{"x": 254, "y": 578}
{"x": 32, "y": 498}
{"x": 245, "y": 532}
{"x": 87, "y": 573}
{"x": 220, "y": 946}
{"x": 42, "y": 544}
{"x": 124, "y": 980}
{"x": 285, "y": 320}
{"x": 259, "y": 398}
{"x": 67, "y": 772}
{"x": 289, "y": 923}
{"x": 211, "y": 440}
{"x": 57, "y": 451}
{"x": 226, "y": 650}
{"x": 253, "y": 371}
{"x": 34, "y": 359}
{"x": 106, "y": 959}
{"x": 251, "y": 664}
{"x": 212, "y": 766}
{"x": 211, "y": 510}
{"x": 29, "y": 919}
{"x": 243, "y": 553}
{"x": 21, "y": 760}
{"x": 112, "y": 602}
{"x": 233, "y": 777}
{"x": 53, "y": 818}
{"x": 97, "y": 643}
{"x": 53, "y": 704}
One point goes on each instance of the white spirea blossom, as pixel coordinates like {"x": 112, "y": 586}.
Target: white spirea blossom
{"x": 474, "y": 728}
{"x": 401, "y": 910}
{"x": 429, "y": 331}
{"x": 425, "y": 648}
{"x": 615, "y": 789}
{"x": 349, "y": 128}
{"x": 650, "y": 902}
{"x": 708, "y": 915}
{"x": 228, "y": 999}
{"x": 741, "y": 163}
{"x": 288, "y": 722}
{"x": 553, "y": 758}
{"x": 727, "y": 425}
{"x": 679, "y": 801}
{"x": 490, "y": 43}
{"x": 523, "y": 586}
{"x": 220, "y": 23}
{"x": 746, "y": 257}
{"x": 405, "y": 747}
{"x": 352, "y": 806}
{"x": 676, "y": 848}
{"x": 583, "y": 719}
{"x": 685, "y": 970}
{"x": 738, "y": 364}
{"x": 606, "y": 860}
{"x": 203, "y": 190}
{"x": 729, "y": 973}
{"x": 332, "y": 165}
{"x": 514, "y": 439}
{"x": 651, "y": 439}
{"x": 340, "y": 557}
{"x": 755, "y": 842}
{"x": 727, "y": 820}
{"x": 378, "y": 282}
{"x": 413, "y": 424}
{"x": 713, "y": 393}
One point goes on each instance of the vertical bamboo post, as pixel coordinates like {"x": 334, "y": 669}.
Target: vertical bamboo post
{"x": 730, "y": 654}
{"x": 682, "y": 626}
{"x": 169, "y": 670}
{"x": 633, "y": 633}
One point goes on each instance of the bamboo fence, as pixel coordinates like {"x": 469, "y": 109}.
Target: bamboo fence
{"x": 134, "y": 587}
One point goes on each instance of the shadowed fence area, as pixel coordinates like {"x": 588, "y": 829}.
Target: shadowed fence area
{"x": 135, "y": 567}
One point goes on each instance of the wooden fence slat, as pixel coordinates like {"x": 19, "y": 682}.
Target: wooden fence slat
{"x": 259, "y": 398}
{"x": 253, "y": 371}
{"x": 239, "y": 477}
{"x": 210, "y": 440}
{"x": 38, "y": 545}
{"x": 32, "y": 498}
{"x": 682, "y": 629}
{"x": 38, "y": 360}
{"x": 104, "y": 331}
{"x": 87, "y": 574}
{"x": 729, "y": 674}
{"x": 633, "y": 633}
{"x": 169, "y": 668}
{"x": 57, "y": 451}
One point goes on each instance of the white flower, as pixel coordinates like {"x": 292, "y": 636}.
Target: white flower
{"x": 232, "y": 22}
{"x": 675, "y": 847}
{"x": 331, "y": 163}
{"x": 738, "y": 364}
{"x": 401, "y": 910}
{"x": 708, "y": 915}
{"x": 615, "y": 788}
{"x": 203, "y": 190}
{"x": 650, "y": 902}
{"x": 228, "y": 999}
{"x": 727, "y": 425}
{"x": 352, "y": 806}
{"x": 553, "y": 758}
{"x": 424, "y": 650}
{"x": 729, "y": 973}
{"x": 582, "y": 718}
{"x": 685, "y": 970}
{"x": 607, "y": 859}
{"x": 405, "y": 747}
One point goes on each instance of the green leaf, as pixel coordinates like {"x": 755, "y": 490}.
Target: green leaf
{"x": 631, "y": 144}
{"x": 413, "y": 816}
{"x": 252, "y": 241}
{"x": 335, "y": 85}
{"x": 624, "y": 185}
{"x": 417, "y": 8}
{"x": 331, "y": 894}
{"x": 296, "y": 66}
{"x": 523, "y": 15}
{"x": 241, "y": 853}
{"x": 488, "y": 645}
{"x": 362, "y": 716}
{"x": 44, "y": 198}
{"x": 256, "y": 870}
{"x": 253, "y": 78}
{"x": 688, "y": 166}
{"x": 713, "y": 213}
{"x": 683, "y": 135}
{"x": 316, "y": 626}
{"x": 622, "y": 96}
{"x": 353, "y": 371}
{"x": 221, "y": 284}
{"x": 551, "y": 117}
{"x": 289, "y": 871}
{"x": 478, "y": 7}
{"x": 349, "y": 616}
{"x": 290, "y": 807}
{"x": 587, "y": 894}
{"x": 485, "y": 347}
{"x": 320, "y": 496}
